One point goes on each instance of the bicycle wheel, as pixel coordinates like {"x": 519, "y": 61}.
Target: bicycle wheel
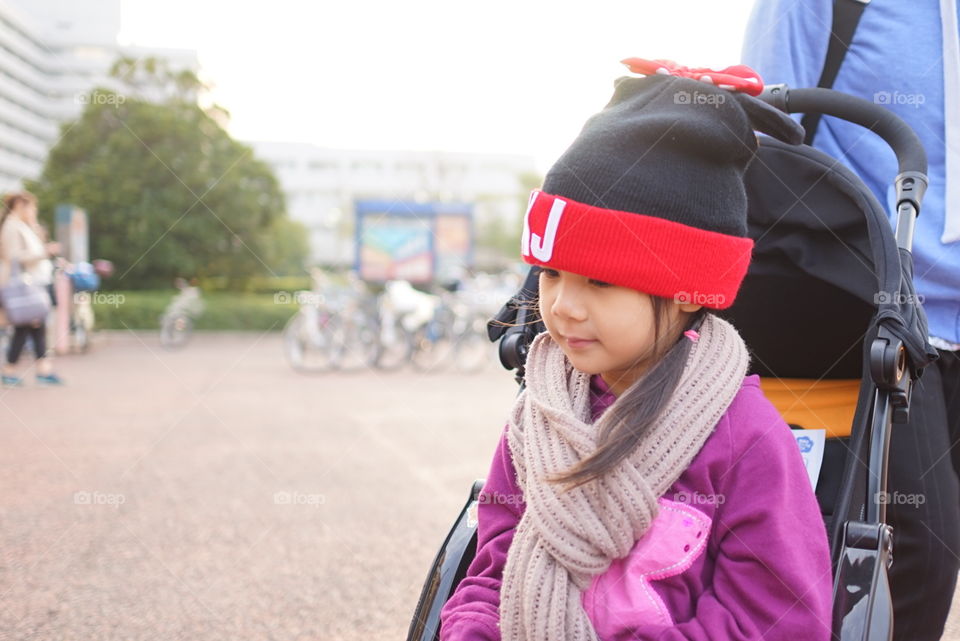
{"x": 81, "y": 323}
{"x": 357, "y": 346}
{"x": 308, "y": 343}
{"x": 175, "y": 331}
{"x": 433, "y": 346}
{"x": 81, "y": 338}
{"x": 393, "y": 346}
{"x": 473, "y": 350}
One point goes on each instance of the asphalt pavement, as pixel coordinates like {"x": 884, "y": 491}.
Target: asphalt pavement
{"x": 213, "y": 493}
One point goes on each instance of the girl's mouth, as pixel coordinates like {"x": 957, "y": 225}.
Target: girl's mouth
{"x": 575, "y": 342}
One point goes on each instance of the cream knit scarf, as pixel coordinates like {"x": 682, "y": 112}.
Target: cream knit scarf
{"x": 566, "y": 538}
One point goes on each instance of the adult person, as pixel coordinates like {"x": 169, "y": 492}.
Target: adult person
{"x": 905, "y": 56}
{"x": 20, "y": 242}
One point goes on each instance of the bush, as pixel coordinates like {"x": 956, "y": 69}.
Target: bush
{"x": 223, "y": 310}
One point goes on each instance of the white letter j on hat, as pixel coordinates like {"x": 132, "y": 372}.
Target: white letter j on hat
{"x": 542, "y": 248}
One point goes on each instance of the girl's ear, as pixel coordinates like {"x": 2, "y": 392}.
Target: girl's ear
{"x": 770, "y": 120}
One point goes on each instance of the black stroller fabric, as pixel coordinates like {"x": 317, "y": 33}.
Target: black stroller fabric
{"x": 826, "y": 273}
{"x": 824, "y": 248}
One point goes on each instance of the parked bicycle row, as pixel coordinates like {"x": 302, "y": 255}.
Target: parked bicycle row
{"x": 349, "y": 327}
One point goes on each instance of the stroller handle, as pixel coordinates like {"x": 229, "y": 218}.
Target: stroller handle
{"x": 910, "y": 183}
{"x": 905, "y": 143}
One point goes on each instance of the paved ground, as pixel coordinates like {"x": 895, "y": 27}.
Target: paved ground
{"x": 213, "y": 493}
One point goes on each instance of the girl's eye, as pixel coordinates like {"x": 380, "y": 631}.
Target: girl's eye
{"x": 599, "y": 283}
{"x": 549, "y": 273}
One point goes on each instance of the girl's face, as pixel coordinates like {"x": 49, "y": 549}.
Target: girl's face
{"x": 606, "y": 329}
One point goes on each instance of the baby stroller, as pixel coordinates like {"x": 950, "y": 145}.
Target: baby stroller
{"x": 826, "y": 265}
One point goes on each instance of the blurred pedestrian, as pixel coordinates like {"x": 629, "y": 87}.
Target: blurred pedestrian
{"x": 22, "y": 244}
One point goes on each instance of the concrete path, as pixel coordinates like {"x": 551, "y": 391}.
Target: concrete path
{"x": 213, "y": 493}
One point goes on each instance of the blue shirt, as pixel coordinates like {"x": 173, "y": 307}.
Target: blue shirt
{"x": 895, "y": 59}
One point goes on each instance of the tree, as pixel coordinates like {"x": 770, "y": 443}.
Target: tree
{"x": 168, "y": 191}
{"x": 150, "y": 75}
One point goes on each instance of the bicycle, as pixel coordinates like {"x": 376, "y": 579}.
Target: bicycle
{"x": 335, "y": 328}
{"x": 176, "y": 323}
{"x": 403, "y": 310}
{"x": 454, "y": 336}
{"x": 308, "y": 335}
{"x": 84, "y": 281}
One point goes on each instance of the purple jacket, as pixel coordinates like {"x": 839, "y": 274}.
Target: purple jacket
{"x": 739, "y": 550}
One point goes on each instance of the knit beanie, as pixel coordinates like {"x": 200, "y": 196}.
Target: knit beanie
{"x": 650, "y": 195}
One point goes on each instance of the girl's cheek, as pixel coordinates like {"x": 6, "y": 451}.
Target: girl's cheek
{"x": 544, "y": 302}
{"x": 545, "y": 316}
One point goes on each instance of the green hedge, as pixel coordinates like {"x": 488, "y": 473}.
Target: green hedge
{"x": 223, "y": 310}
{"x": 260, "y": 284}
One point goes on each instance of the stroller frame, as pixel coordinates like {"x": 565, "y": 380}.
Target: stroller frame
{"x": 861, "y": 540}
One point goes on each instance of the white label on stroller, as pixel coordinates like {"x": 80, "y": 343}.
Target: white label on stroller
{"x": 811, "y": 444}
{"x": 473, "y": 515}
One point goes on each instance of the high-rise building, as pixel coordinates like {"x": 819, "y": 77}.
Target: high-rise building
{"x": 52, "y": 53}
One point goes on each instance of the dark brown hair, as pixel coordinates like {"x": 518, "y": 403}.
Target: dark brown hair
{"x": 11, "y": 200}
{"x": 643, "y": 403}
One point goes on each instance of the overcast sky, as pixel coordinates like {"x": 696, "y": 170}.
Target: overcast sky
{"x": 514, "y": 77}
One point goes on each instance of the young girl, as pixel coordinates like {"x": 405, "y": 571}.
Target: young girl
{"x": 644, "y": 487}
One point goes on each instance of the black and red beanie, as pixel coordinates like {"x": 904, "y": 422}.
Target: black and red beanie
{"x": 650, "y": 195}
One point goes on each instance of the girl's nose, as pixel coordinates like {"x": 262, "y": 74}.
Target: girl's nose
{"x": 568, "y": 303}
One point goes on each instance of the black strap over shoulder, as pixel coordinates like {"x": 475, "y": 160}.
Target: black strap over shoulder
{"x": 846, "y": 15}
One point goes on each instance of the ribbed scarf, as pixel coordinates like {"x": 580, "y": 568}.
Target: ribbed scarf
{"x": 565, "y": 538}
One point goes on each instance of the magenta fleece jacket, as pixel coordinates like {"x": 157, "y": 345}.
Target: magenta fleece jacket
{"x": 738, "y": 552}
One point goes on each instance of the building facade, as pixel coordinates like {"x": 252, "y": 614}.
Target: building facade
{"x": 52, "y": 53}
{"x": 322, "y": 186}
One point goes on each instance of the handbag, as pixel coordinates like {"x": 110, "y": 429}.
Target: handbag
{"x": 23, "y": 302}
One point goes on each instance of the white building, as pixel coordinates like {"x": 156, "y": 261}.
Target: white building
{"x": 52, "y": 53}
{"x": 321, "y": 186}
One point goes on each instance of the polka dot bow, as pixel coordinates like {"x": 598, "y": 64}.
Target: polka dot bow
{"x": 736, "y": 78}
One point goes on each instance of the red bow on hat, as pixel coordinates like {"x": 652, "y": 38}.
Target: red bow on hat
{"x": 736, "y": 78}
